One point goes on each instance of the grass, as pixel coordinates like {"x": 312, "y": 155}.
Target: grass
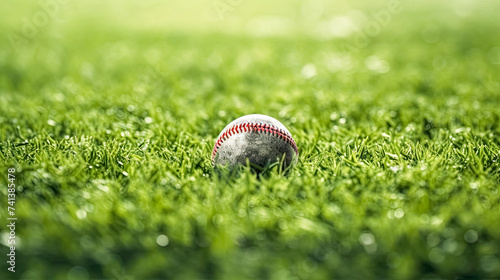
{"x": 110, "y": 124}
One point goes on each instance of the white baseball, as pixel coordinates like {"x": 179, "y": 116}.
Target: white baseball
{"x": 261, "y": 139}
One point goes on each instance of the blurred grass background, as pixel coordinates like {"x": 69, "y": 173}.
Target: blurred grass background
{"x": 110, "y": 110}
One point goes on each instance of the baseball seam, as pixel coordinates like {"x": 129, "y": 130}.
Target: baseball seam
{"x": 253, "y": 127}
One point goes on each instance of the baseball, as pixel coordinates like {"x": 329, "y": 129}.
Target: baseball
{"x": 261, "y": 139}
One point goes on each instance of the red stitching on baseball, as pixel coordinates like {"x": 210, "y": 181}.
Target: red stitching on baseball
{"x": 255, "y": 127}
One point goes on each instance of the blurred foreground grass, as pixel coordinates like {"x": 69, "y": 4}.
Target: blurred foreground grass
{"x": 110, "y": 110}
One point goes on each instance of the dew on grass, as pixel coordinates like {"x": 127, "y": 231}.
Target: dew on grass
{"x": 395, "y": 169}
{"x": 88, "y": 207}
{"x": 148, "y": 120}
{"x": 436, "y": 221}
{"x": 367, "y": 238}
{"x": 120, "y": 114}
{"x": 436, "y": 255}
{"x": 410, "y": 127}
{"x": 399, "y": 213}
{"x": 462, "y": 129}
{"x": 218, "y": 219}
{"x": 334, "y": 209}
{"x": 395, "y": 157}
{"x": 81, "y": 214}
{"x": 390, "y": 214}
{"x": 162, "y": 240}
{"x": 4, "y": 238}
{"x": 377, "y": 65}
{"x": 339, "y": 63}
{"x": 86, "y": 195}
{"x": 103, "y": 188}
{"x": 471, "y": 236}
{"x": 309, "y": 71}
{"x": 450, "y": 245}
{"x": 334, "y": 116}
{"x": 489, "y": 263}
{"x": 424, "y": 218}
{"x": 433, "y": 239}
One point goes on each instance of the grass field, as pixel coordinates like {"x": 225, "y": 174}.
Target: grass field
{"x": 109, "y": 112}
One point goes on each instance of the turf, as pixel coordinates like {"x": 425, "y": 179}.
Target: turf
{"x": 110, "y": 112}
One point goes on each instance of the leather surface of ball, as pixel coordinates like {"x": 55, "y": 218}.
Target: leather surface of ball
{"x": 261, "y": 139}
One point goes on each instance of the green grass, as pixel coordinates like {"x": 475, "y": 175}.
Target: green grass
{"x": 110, "y": 123}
